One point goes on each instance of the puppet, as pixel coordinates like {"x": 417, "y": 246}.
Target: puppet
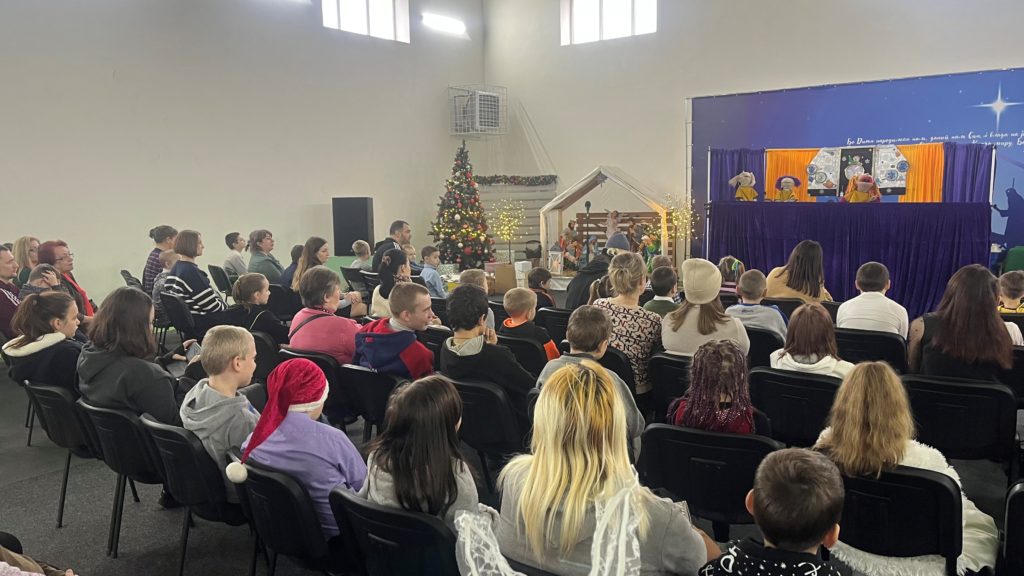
{"x": 862, "y": 189}
{"x": 785, "y": 188}
{"x": 744, "y": 184}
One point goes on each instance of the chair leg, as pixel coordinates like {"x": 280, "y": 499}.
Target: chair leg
{"x": 120, "y": 515}
{"x": 28, "y": 414}
{"x": 63, "y": 491}
{"x": 135, "y": 493}
{"x": 272, "y": 563}
{"x": 367, "y": 431}
{"x": 255, "y": 553}
{"x": 721, "y": 531}
{"x": 486, "y": 470}
{"x": 186, "y": 522}
{"x": 118, "y": 492}
{"x": 31, "y": 423}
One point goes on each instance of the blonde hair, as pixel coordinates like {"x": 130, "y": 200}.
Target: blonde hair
{"x": 578, "y": 455}
{"x": 474, "y": 276}
{"x": 221, "y": 345}
{"x": 626, "y": 273}
{"x": 870, "y": 421}
{"x": 361, "y": 248}
{"x": 22, "y": 251}
{"x": 169, "y": 258}
{"x": 519, "y": 301}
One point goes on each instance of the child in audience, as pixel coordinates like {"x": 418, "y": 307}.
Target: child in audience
{"x": 234, "y": 264}
{"x": 731, "y": 269}
{"x": 477, "y": 277}
{"x": 45, "y": 351}
{"x": 797, "y": 501}
{"x": 431, "y": 260}
{"x": 168, "y": 258}
{"x": 1011, "y": 292}
{"x": 600, "y": 288}
{"x": 220, "y": 416}
{"x": 588, "y": 333}
{"x": 811, "y": 344}
{"x": 251, "y": 293}
{"x": 539, "y": 280}
{"x": 287, "y": 278}
{"x": 410, "y": 253}
{"x": 363, "y": 261}
{"x": 521, "y": 305}
{"x": 872, "y": 310}
{"x": 664, "y": 284}
{"x": 389, "y": 345}
{"x": 751, "y": 289}
{"x": 719, "y": 397}
{"x": 701, "y": 317}
{"x": 871, "y": 430}
{"x": 421, "y": 436}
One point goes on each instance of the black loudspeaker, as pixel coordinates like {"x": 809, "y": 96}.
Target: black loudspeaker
{"x": 353, "y": 220}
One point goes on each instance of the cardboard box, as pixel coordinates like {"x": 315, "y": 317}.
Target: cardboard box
{"x": 504, "y": 278}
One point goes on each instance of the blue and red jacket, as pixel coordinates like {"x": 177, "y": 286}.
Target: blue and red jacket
{"x": 398, "y": 353}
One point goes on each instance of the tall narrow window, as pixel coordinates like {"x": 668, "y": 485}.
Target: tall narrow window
{"x": 592, "y": 20}
{"x": 387, "y": 19}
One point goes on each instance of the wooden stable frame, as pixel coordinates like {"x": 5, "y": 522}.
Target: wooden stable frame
{"x": 594, "y": 225}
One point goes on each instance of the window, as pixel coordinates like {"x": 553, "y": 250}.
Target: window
{"x": 592, "y": 20}
{"x": 387, "y": 19}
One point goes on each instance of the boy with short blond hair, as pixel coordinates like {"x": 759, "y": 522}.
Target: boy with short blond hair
{"x": 1011, "y": 292}
{"x": 521, "y": 305}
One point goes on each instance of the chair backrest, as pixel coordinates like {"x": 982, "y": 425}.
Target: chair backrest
{"x": 787, "y": 305}
{"x": 796, "y": 402}
{"x": 728, "y": 299}
{"x": 488, "y": 422}
{"x": 670, "y": 379}
{"x": 131, "y": 281}
{"x": 531, "y": 401}
{"x": 526, "y": 569}
{"x": 371, "y": 279}
{"x": 433, "y": 338}
{"x": 964, "y": 419}
{"x": 905, "y": 512}
{"x": 267, "y": 357}
{"x": 555, "y": 321}
{"x": 282, "y": 512}
{"x": 370, "y": 391}
{"x": 617, "y": 361}
{"x": 1017, "y": 319}
{"x": 417, "y": 279}
{"x": 125, "y": 447}
{"x": 60, "y": 418}
{"x": 178, "y": 313}
{"x": 712, "y": 471}
{"x": 220, "y": 278}
{"x": 762, "y": 344}
{"x": 338, "y": 398}
{"x": 499, "y": 312}
{"x": 1013, "y": 543}
{"x": 283, "y": 302}
{"x": 529, "y": 353}
{"x": 395, "y": 542}
{"x": 832, "y": 308}
{"x": 192, "y": 476}
{"x": 440, "y": 308}
{"x": 1014, "y": 377}
{"x": 868, "y": 345}
{"x": 355, "y": 280}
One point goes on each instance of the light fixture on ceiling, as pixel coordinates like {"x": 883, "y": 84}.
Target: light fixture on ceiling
{"x": 445, "y": 24}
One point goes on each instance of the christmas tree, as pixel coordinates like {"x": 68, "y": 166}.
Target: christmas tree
{"x": 460, "y": 232}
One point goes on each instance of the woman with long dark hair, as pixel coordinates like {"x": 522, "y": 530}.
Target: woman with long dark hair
{"x": 394, "y": 268}
{"x": 802, "y": 277}
{"x": 45, "y": 352}
{"x": 719, "y": 396}
{"x": 415, "y": 463}
{"x": 965, "y": 337}
{"x": 315, "y": 252}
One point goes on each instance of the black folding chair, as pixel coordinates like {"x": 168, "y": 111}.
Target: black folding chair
{"x": 180, "y": 316}
{"x": 267, "y": 356}
{"x": 711, "y": 471}
{"x": 434, "y": 338}
{"x": 670, "y": 379}
{"x": 370, "y": 279}
{"x": 355, "y": 281}
{"x": 440, "y": 308}
{"x": 529, "y": 353}
{"x": 870, "y": 346}
{"x": 762, "y": 344}
{"x": 339, "y": 406}
{"x": 1014, "y": 377}
{"x": 728, "y": 299}
{"x": 499, "y": 312}
{"x": 903, "y": 513}
{"x": 220, "y": 279}
{"x": 796, "y": 402}
{"x": 131, "y": 281}
{"x": 1012, "y": 549}
{"x": 555, "y": 321}
{"x": 370, "y": 391}
{"x": 392, "y": 541}
{"x": 488, "y": 422}
{"x": 787, "y": 305}
{"x": 832, "y": 308}
{"x": 283, "y": 302}
{"x": 617, "y": 361}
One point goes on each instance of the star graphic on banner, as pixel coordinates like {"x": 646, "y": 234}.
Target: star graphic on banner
{"x": 998, "y": 106}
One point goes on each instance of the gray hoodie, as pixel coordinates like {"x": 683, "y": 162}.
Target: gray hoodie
{"x": 220, "y": 422}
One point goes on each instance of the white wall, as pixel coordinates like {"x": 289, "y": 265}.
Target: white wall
{"x": 216, "y": 115}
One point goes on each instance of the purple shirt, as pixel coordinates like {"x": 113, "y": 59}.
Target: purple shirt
{"x": 318, "y": 456}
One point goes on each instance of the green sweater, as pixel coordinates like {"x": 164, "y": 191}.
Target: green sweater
{"x": 661, "y": 307}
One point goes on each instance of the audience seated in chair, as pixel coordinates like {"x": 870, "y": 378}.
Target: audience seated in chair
{"x": 539, "y": 280}
{"x": 287, "y": 277}
{"x": 363, "y": 256}
{"x": 477, "y": 277}
{"x": 398, "y": 233}
{"x": 163, "y": 238}
{"x": 251, "y": 294}
{"x": 167, "y": 259}
{"x": 731, "y": 268}
{"x": 872, "y": 310}
{"x": 192, "y": 284}
{"x": 473, "y": 354}
{"x": 42, "y": 278}
{"x": 521, "y": 306}
{"x": 588, "y": 333}
{"x": 394, "y": 270}
{"x": 316, "y": 252}
{"x": 965, "y": 337}
{"x": 431, "y": 260}
{"x": 316, "y": 328}
{"x": 750, "y": 311}
{"x": 802, "y": 277}
{"x": 665, "y": 285}
{"x": 8, "y": 292}
{"x": 811, "y": 344}
{"x": 579, "y": 292}
{"x": 26, "y": 254}
{"x": 1011, "y": 292}
{"x": 701, "y": 318}
{"x": 719, "y": 396}
{"x": 289, "y": 438}
{"x": 871, "y": 430}
{"x": 415, "y": 463}
{"x": 261, "y": 261}
{"x": 214, "y": 410}
{"x": 59, "y": 255}
{"x": 389, "y": 345}
{"x": 234, "y": 263}
{"x": 411, "y": 254}
{"x": 45, "y": 352}
{"x": 796, "y": 501}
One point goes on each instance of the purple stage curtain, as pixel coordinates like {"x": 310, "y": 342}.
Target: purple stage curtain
{"x": 967, "y": 175}
{"x": 727, "y": 163}
{"x": 921, "y": 244}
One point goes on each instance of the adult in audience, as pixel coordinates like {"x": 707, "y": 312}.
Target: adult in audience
{"x": 811, "y": 344}
{"x": 802, "y": 277}
{"x": 261, "y": 261}
{"x": 289, "y": 438}
{"x": 315, "y": 252}
{"x": 235, "y": 264}
{"x": 421, "y": 436}
{"x": 750, "y": 311}
{"x": 473, "y": 352}
{"x": 45, "y": 352}
{"x": 26, "y": 253}
{"x": 551, "y": 498}
{"x": 192, "y": 284}
{"x": 389, "y": 345}
{"x": 168, "y": 258}
{"x": 399, "y": 233}
{"x": 872, "y": 310}
{"x": 59, "y": 255}
{"x": 871, "y": 430}
{"x": 251, "y": 294}
{"x": 44, "y": 277}
{"x": 410, "y": 254}
{"x": 719, "y": 396}
{"x": 116, "y": 368}
{"x": 8, "y": 292}
{"x": 965, "y": 337}
{"x": 701, "y": 318}
{"x": 363, "y": 257}
{"x": 635, "y": 331}
{"x": 316, "y": 328}
{"x": 578, "y": 290}
{"x": 394, "y": 269}
{"x": 663, "y": 284}
{"x": 288, "y": 274}
{"x": 214, "y": 410}
{"x": 539, "y": 280}
{"x": 588, "y": 333}
{"x": 163, "y": 238}
{"x": 431, "y": 260}
{"x": 477, "y": 277}
{"x": 1011, "y": 291}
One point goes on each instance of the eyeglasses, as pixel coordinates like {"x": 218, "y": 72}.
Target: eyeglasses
{"x": 70, "y": 256}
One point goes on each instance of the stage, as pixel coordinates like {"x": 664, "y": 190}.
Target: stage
{"x": 922, "y": 244}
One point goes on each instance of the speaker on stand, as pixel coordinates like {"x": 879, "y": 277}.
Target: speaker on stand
{"x": 353, "y": 220}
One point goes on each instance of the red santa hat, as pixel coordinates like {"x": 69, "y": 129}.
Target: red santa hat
{"x": 296, "y": 385}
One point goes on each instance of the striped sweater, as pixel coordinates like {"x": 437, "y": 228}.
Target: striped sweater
{"x": 192, "y": 284}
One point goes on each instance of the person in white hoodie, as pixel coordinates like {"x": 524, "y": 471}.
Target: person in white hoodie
{"x": 811, "y": 344}
{"x": 214, "y": 410}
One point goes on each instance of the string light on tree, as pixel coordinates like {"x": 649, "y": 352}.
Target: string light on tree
{"x": 682, "y": 219}
{"x": 460, "y": 231}
{"x": 509, "y": 215}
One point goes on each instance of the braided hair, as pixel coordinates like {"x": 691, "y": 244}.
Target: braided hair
{"x": 719, "y": 371}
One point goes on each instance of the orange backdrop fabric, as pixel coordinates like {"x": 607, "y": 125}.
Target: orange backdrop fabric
{"x": 924, "y": 177}
{"x": 779, "y": 163}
